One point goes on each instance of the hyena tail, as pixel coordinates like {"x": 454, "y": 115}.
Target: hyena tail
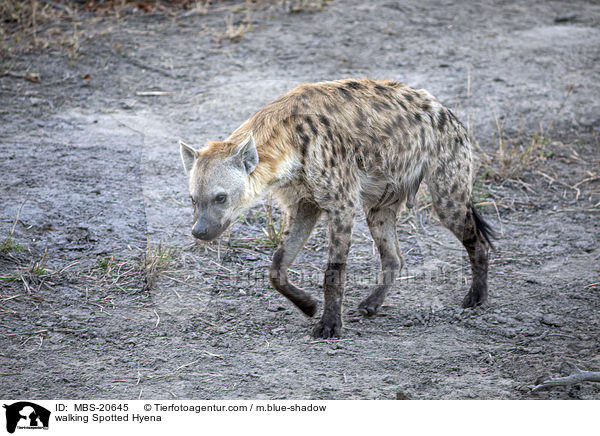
{"x": 483, "y": 228}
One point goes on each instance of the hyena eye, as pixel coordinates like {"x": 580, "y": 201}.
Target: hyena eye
{"x": 192, "y": 200}
{"x": 221, "y": 198}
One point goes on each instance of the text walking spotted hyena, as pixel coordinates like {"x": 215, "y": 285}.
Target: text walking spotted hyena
{"x": 326, "y": 148}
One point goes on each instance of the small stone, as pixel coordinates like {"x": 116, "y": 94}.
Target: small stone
{"x": 402, "y": 396}
{"x": 565, "y": 18}
{"x": 552, "y": 320}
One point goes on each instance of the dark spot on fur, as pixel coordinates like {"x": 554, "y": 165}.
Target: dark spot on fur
{"x": 311, "y": 125}
{"x": 402, "y": 104}
{"x": 354, "y": 85}
{"x": 431, "y": 119}
{"x": 332, "y": 161}
{"x": 303, "y": 147}
{"x": 359, "y": 163}
{"x": 417, "y": 116}
{"x": 425, "y": 106}
{"x": 381, "y": 88}
{"x": 408, "y": 96}
{"x": 324, "y": 120}
{"x": 388, "y": 130}
{"x": 399, "y": 121}
{"x": 457, "y": 143}
{"x": 345, "y": 93}
{"x": 442, "y": 119}
{"x": 423, "y": 138}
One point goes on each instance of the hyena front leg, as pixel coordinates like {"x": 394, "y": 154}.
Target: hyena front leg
{"x": 382, "y": 224}
{"x": 301, "y": 222}
{"x": 340, "y": 235}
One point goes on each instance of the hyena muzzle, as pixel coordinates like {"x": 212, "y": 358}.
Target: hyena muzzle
{"x": 325, "y": 149}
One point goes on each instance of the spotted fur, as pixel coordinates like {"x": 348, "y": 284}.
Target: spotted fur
{"x": 330, "y": 147}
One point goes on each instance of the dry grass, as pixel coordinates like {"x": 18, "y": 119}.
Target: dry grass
{"x": 155, "y": 261}
{"x": 9, "y": 245}
{"x": 295, "y": 6}
{"x": 36, "y": 274}
{"x": 132, "y": 275}
{"x": 513, "y": 157}
{"x": 235, "y": 33}
{"x": 272, "y": 231}
{"x": 24, "y": 20}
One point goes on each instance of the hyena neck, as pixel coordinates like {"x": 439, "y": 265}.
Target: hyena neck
{"x": 269, "y": 174}
{"x": 277, "y": 162}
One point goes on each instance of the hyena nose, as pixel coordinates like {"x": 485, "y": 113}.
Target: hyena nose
{"x": 200, "y": 231}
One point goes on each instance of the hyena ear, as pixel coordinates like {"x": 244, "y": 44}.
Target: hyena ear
{"x": 247, "y": 154}
{"x": 188, "y": 156}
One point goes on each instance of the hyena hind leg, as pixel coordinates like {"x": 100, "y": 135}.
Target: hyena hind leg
{"x": 340, "y": 237}
{"x": 476, "y": 238}
{"x": 382, "y": 224}
{"x": 455, "y": 209}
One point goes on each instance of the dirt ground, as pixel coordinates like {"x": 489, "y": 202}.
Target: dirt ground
{"x": 89, "y": 163}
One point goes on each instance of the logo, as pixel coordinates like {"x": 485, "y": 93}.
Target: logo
{"x": 26, "y": 415}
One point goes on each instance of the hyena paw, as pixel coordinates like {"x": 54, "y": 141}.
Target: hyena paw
{"x": 370, "y": 305}
{"x": 328, "y": 327}
{"x": 368, "y": 309}
{"x": 309, "y": 308}
{"x": 475, "y": 297}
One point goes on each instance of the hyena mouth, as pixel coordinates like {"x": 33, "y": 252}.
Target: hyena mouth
{"x": 213, "y": 233}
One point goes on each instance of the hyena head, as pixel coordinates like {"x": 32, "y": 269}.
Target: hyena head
{"x": 218, "y": 183}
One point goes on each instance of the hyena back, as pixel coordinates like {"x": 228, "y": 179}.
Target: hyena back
{"x": 326, "y": 148}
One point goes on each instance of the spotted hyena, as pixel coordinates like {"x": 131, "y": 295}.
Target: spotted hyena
{"x": 326, "y": 148}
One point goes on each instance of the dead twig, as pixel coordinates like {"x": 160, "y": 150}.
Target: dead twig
{"x": 328, "y": 341}
{"x": 157, "y": 318}
{"x": 577, "y": 376}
